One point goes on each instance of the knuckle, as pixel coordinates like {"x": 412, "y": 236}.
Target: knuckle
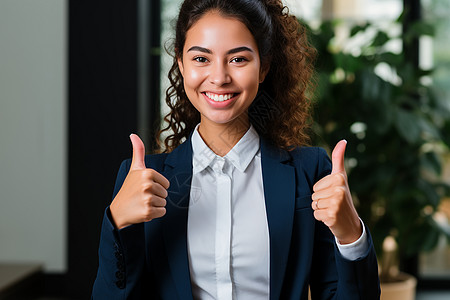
{"x": 143, "y": 174}
{"x": 331, "y": 219}
{"x": 339, "y": 178}
{"x": 331, "y": 214}
{"x": 149, "y": 173}
{"x": 151, "y": 198}
{"x": 335, "y": 202}
{"x": 148, "y": 199}
{"x": 339, "y": 192}
{"x": 148, "y": 212}
{"x": 153, "y": 174}
{"x": 147, "y": 185}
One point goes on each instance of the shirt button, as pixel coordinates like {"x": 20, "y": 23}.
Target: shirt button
{"x": 120, "y": 266}
{"x": 120, "y": 284}
{"x": 118, "y": 255}
{"x": 120, "y": 275}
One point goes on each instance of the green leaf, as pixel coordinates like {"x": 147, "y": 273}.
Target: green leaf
{"x": 358, "y": 28}
{"x": 407, "y": 125}
{"x": 430, "y": 238}
{"x": 432, "y": 162}
{"x": 420, "y": 28}
{"x": 429, "y": 191}
{"x": 430, "y": 129}
{"x": 370, "y": 86}
{"x": 391, "y": 59}
{"x": 380, "y": 39}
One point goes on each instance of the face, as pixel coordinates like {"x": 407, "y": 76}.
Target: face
{"x": 221, "y": 68}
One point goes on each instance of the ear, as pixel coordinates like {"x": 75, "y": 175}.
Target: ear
{"x": 263, "y": 72}
{"x": 180, "y": 66}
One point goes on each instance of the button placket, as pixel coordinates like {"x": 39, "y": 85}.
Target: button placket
{"x": 223, "y": 229}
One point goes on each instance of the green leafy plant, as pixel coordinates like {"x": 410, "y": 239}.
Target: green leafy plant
{"x": 396, "y": 124}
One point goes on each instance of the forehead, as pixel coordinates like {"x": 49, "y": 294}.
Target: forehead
{"x": 214, "y": 30}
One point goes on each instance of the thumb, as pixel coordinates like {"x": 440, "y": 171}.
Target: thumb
{"x": 137, "y": 161}
{"x": 337, "y": 157}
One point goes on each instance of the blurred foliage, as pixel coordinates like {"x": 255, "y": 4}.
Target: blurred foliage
{"x": 396, "y": 125}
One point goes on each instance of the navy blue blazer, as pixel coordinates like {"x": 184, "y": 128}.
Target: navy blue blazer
{"x": 150, "y": 260}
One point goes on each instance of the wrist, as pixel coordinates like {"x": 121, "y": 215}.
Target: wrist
{"x": 115, "y": 218}
{"x": 354, "y": 236}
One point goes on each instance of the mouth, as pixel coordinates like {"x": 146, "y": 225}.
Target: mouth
{"x": 219, "y": 97}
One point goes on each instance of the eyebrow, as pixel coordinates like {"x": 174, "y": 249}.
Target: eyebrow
{"x": 231, "y": 51}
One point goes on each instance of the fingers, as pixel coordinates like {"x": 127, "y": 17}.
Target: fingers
{"x": 332, "y": 191}
{"x": 138, "y": 160}
{"x": 336, "y": 179}
{"x": 333, "y": 201}
{"x": 157, "y": 177}
{"x": 154, "y": 208}
{"x": 337, "y": 157}
{"x": 156, "y": 212}
{"x": 158, "y": 201}
{"x": 155, "y": 188}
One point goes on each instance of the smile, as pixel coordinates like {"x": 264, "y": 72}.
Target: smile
{"x": 219, "y": 97}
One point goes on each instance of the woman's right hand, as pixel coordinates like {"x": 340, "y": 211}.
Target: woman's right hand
{"x": 142, "y": 195}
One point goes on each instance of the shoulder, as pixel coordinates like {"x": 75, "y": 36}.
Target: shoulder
{"x": 308, "y": 153}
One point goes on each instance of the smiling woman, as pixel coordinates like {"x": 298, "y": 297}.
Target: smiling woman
{"x": 221, "y": 70}
{"x": 280, "y": 110}
{"x": 241, "y": 209}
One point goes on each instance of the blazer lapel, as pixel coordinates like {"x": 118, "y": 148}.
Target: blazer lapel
{"x": 178, "y": 170}
{"x": 279, "y": 193}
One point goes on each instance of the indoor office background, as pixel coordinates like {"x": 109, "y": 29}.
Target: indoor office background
{"x": 77, "y": 77}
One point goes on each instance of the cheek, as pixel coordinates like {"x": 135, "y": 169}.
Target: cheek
{"x": 192, "y": 77}
{"x": 248, "y": 79}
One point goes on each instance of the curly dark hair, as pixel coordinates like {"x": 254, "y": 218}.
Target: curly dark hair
{"x": 281, "y": 109}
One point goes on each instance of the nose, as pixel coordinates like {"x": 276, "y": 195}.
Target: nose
{"x": 219, "y": 74}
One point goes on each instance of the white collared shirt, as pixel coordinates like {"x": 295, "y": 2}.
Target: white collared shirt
{"x": 227, "y": 233}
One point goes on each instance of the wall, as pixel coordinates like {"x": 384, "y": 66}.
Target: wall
{"x": 33, "y": 118}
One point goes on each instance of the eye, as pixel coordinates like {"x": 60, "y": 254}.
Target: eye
{"x": 238, "y": 60}
{"x": 200, "y": 59}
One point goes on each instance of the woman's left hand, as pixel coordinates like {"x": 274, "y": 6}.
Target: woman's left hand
{"x": 332, "y": 202}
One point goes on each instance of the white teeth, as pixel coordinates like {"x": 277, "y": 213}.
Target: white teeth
{"x": 219, "y": 98}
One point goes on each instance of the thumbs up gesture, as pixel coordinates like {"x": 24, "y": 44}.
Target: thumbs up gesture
{"x": 142, "y": 195}
{"x": 332, "y": 202}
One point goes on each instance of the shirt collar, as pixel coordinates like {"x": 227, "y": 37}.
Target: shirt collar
{"x": 240, "y": 155}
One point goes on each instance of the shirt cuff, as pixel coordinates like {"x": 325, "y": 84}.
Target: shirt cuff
{"x": 357, "y": 249}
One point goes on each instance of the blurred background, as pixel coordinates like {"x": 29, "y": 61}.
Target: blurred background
{"x": 77, "y": 77}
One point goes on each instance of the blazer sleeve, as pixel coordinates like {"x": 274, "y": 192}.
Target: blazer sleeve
{"x": 121, "y": 270}
{"x": 332, "y": 275}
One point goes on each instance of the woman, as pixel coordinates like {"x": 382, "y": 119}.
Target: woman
{"x": 241, "y": 209}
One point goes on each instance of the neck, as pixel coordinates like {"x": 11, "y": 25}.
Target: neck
{"x": 221, "y": 138}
